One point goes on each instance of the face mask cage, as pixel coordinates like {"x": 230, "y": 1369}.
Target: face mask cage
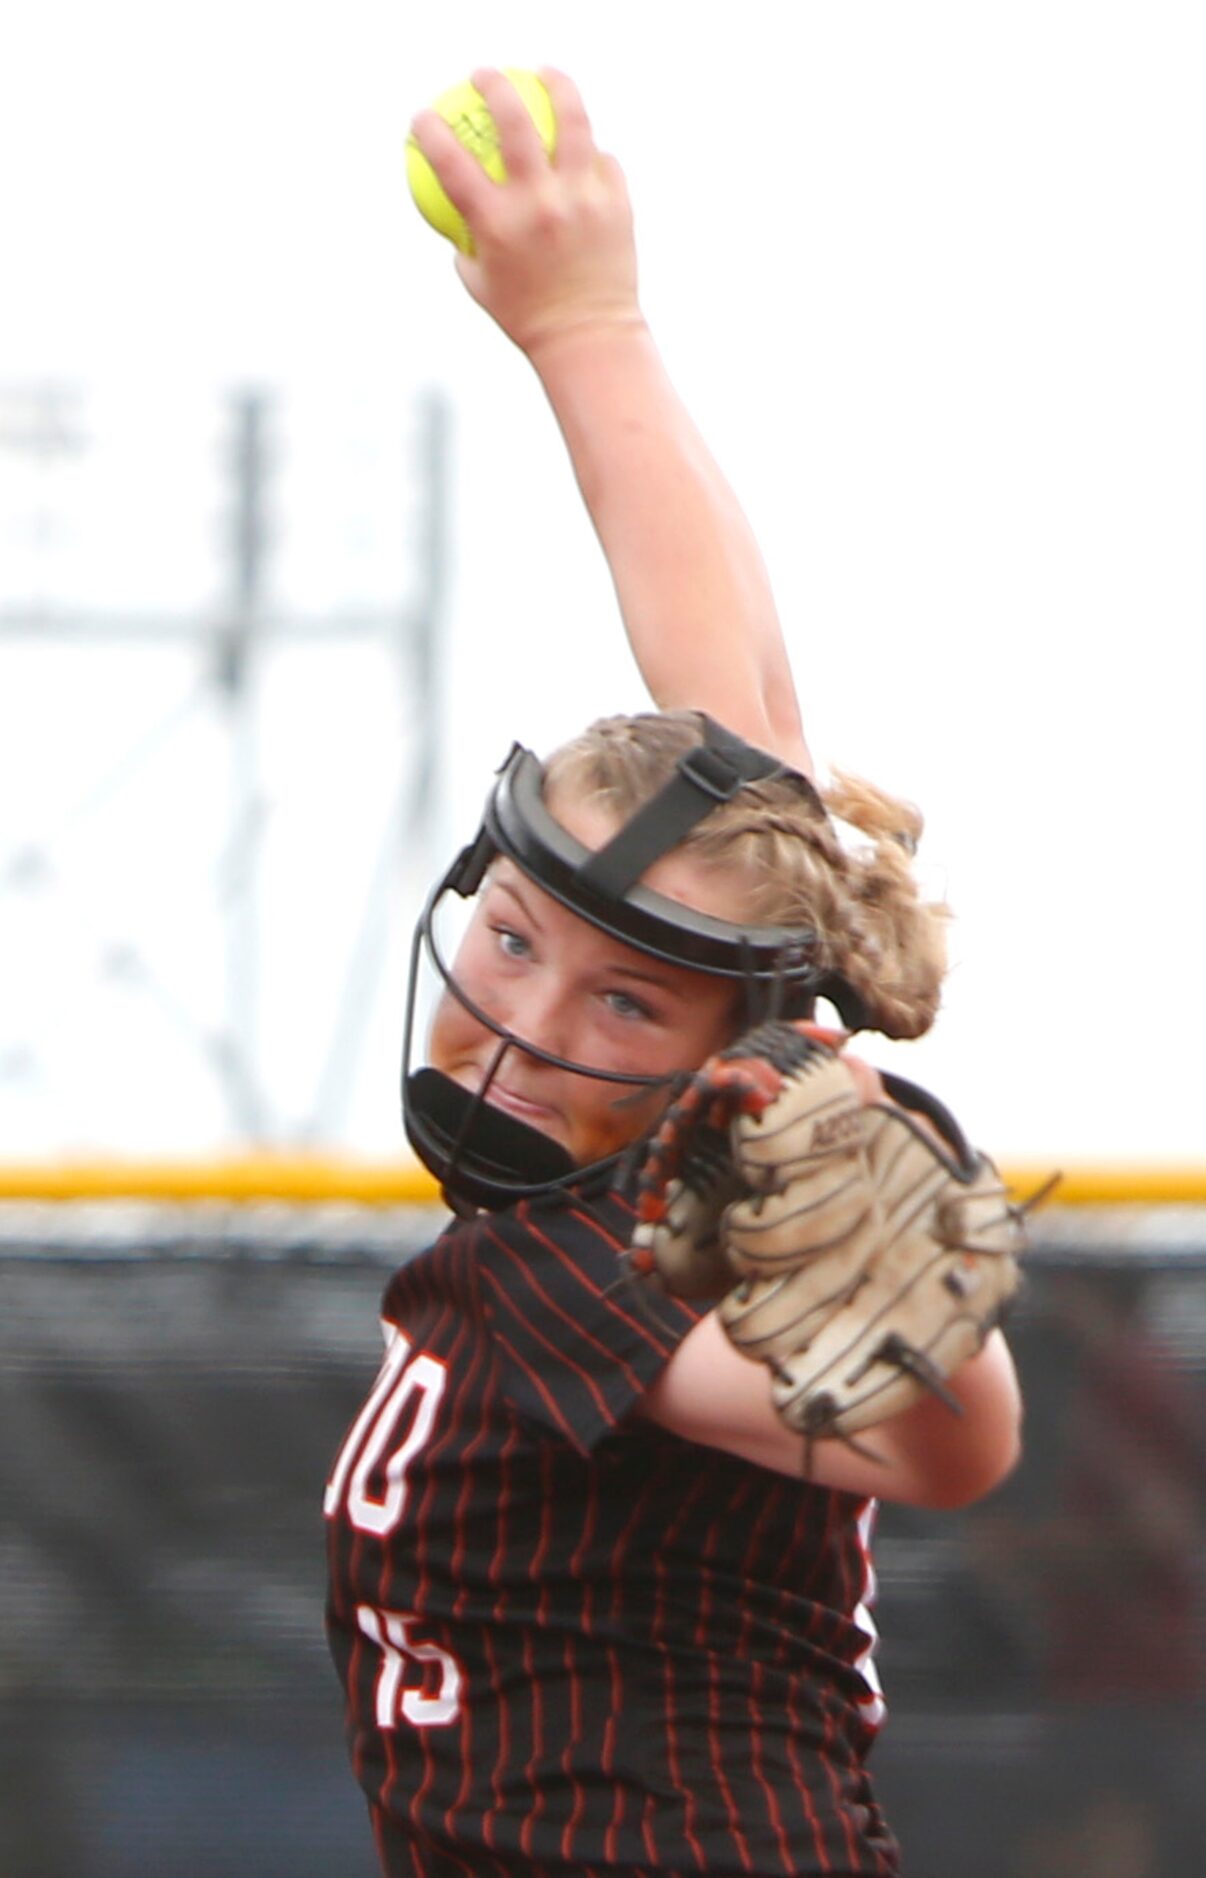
{"x": 485, "y": 1157}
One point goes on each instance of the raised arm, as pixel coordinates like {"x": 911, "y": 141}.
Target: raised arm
{"x": 555, "y": 266}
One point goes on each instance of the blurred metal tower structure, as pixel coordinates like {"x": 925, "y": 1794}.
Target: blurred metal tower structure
{"x": 42, "y": 424}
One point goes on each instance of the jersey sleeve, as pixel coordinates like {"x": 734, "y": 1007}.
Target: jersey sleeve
{"x": 578, "y": 1343}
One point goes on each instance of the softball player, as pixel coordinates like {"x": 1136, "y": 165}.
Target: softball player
{"x": 588, "y": 1615}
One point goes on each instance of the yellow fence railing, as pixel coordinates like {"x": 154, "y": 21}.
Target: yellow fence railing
{"x": 300, "y": 1179}
{"x": 312, "y": 1179}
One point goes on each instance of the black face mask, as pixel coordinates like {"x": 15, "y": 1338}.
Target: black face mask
{"x": 486, "y": 1158}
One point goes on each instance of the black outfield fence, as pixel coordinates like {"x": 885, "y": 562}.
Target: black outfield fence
{"x": 174, "y": 1384}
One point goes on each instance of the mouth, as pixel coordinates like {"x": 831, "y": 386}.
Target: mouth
{"x": 527, "y": 1110}
{"x": 499, "y": 1096}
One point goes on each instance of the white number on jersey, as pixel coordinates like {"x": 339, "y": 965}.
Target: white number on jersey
{"x": 388, "y": 1631}
{"x": 403, "y": 1379}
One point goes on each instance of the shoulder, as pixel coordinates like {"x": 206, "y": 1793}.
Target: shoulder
{"x": 577, "y": 1340}
{"x": 587, "y": 1230}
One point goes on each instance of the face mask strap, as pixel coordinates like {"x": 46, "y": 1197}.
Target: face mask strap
{"x": 704, "y": 777}
{"x": 523, "y": 829}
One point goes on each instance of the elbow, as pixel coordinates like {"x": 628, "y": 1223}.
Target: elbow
{"x": 975, "y": 1476}
{"x": 982, "y": 1447}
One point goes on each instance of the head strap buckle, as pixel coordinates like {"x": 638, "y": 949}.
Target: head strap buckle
{"x": 711, "y": 771}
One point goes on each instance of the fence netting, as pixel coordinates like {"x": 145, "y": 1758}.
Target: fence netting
{"x": 174, "y": 1384}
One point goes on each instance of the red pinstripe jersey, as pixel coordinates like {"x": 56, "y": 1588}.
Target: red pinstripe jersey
{"x": 571, "y": 1641}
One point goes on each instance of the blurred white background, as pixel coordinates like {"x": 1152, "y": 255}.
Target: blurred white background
{"x": 932, "y": 278}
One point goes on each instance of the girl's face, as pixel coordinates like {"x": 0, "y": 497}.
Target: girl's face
{"x": 561, "y": 984}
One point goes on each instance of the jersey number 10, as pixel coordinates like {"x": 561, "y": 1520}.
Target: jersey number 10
{"x": 402, "y": 1379}
{"x": 417, "y": 1382}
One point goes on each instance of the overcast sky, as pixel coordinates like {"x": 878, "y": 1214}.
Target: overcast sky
{"x": 932, "y": 278}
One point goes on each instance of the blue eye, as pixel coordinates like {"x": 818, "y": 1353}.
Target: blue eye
{"x": 511, "y": 943}
{"x": 627, "y": 1007}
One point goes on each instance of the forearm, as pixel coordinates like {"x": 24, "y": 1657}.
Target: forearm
{"x": 927, "y": 1456}
{"x": 554, "y": 264}
{"x": 693, "y": 589}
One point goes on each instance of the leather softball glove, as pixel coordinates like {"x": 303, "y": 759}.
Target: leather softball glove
{"x": 862, "y": 1250}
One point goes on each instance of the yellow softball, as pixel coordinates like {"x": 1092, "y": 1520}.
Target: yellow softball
{"x": 464, "y": 108}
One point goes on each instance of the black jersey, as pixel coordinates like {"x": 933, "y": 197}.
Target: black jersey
{"x": 571, "y": 1641}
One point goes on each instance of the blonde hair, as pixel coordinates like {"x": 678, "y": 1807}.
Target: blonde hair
{"x": 860, "y": 901}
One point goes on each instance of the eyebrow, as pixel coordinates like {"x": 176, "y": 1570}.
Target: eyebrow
{"x": 506, "y": 886}
{"x": 644, "y": 975}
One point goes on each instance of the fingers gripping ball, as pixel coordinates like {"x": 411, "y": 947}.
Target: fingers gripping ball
{"x": 873, "y": 1249}
{"x": 464, "y": 108}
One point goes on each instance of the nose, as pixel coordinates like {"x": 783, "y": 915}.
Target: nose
{"x": 540, "y": 1013}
